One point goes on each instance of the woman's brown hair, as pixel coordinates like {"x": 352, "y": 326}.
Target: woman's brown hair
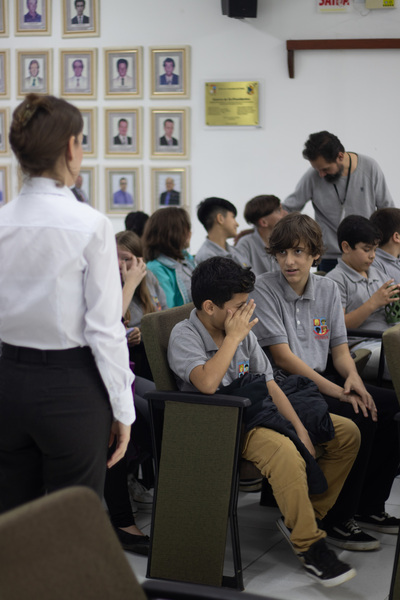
{"x": 166, "y": 232}
{"x": 132, "y": 243}
{"x": 40, "y": 131}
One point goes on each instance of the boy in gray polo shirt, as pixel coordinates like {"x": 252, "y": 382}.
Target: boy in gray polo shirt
{"x": 263, "y": 212}
{"x": 300, "y": 321}
{"x": 218, "y": 217}
{"x": 214, "y": 347}
{"x": 364, "y": 290}
{"x": 387, "y": 221}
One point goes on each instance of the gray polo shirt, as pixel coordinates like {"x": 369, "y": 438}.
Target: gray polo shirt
{"x": 356, "y": 289}
{"x": 367, "y": 191}
{"x": 190, "y": 345}
{"x": 157, "y": 296}
{"x": 310, "y": 324}
{"x": 388, "y": 264}
{"x": 209, "y": 249}
{"x": 254, "y": 252}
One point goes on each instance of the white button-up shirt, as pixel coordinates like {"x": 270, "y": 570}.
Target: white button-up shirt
{"x": 59, "y": 283}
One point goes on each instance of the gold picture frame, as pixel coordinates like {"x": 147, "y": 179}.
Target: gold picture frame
{"x": 86, "y": 186}
{"x": 123, "y": 72}
{"x": 34, "y": 72}
{"x": 169, "y": 133}
{"x": 169, "y": 187}
{"x": 32, "y": 20}
{"x": 170, "y": 72}
{"x": 89, "y": 142}
{"x": 4, "y": 127}
{"x": 3, "y": 18}
{"x": 120, "y": 199}
{"x": 4, "y": 74}
{"x": 4, "y": 185}
{"x": 78, "y": 73}
{"x": 123, "y": 132}
{"x": 89, "y": 17}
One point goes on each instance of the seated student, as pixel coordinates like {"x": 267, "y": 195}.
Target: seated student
{"x": 116, "y": 493}
{"x": 218, "y": 217}
{"x": 166, "y": 236}
{"x": 208, "y": 351}
{"x": 135, "y": 221}
{"x": 364, "y": 290}
{"x": 263, "y": 212}
{"x": 387, "y": 221}
{"x": 300, "y": 321}
{"x": 143, "y": 297}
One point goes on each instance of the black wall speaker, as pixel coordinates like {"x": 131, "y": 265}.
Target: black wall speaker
{"x": 239, "y": 9}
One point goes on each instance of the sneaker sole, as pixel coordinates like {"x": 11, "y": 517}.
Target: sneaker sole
{"x": 326, "y": 583}
{"x": 335, "y": 581}
{"x": 355, "y": 546}
{"x": 380, "y": 528}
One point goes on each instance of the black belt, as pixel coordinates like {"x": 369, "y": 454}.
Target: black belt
{"x": 49, "y": 357}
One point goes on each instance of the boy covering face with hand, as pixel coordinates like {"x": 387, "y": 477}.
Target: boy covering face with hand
{"x": 213, "y": 349}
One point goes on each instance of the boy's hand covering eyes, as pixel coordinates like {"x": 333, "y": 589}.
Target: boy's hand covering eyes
{"x": 238, "y": 325}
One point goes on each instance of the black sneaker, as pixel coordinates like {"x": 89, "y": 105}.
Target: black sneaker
{"x": 348, "y": 535}
{"x": 320, "y": 563}
{"x": 381, "y": 522}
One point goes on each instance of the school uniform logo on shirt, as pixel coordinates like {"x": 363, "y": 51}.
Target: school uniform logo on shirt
{"x": 243, "y": 368}
{"x": 320, "y": 327}
{"x": 157, "y": 303}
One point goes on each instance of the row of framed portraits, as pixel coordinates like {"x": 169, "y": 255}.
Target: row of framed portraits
{"x": 123, "y": 132}
{"x": 33, "y": 17}
{"x": 169, "y": 187}
{"x": 78, "y": 72}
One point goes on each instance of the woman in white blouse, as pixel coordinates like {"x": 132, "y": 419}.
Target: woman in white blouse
{"x": 65, "y": 381}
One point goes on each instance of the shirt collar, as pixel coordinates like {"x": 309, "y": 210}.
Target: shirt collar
{"x": 209, "y": 343}
{"x": 43, "y": 185}
{"x": 290, "y": 295}
{"x": 355, "y": 276}
{"x": 386, "y": 256}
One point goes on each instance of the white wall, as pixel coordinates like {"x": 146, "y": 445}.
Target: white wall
{"x": 352, "y": 93}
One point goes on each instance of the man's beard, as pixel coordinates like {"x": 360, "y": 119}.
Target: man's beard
{"x": 334, "y": 178}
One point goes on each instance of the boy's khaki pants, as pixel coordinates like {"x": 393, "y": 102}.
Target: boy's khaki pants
{"x": 279, "y": 461}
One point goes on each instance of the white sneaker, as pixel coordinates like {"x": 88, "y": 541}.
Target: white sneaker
{"x": 141, "y": 496}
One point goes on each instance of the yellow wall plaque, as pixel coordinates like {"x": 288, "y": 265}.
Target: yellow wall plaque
{"x": 232, "y": 103}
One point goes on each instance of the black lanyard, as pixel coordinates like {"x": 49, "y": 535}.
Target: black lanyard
{"x": 347, "y": 184}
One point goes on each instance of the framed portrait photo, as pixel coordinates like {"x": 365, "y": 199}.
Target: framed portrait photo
{"x": 4, "y": 74}
{"x": 89, "y": 142}
{"x": 78, "y": 73}
{"x": 169, "y": 187}
{"x": 169, "y": 133}
{"x": 123, "y": 76}
{"x": 169, "y": 72}
{"x": 3, "y": 18}
{"x": 80, "y": 18}
{"x": 123, "y": 132}
{"x": 4, "y": 186}
{"x": 4, "y": 125}
{"x": 32, "y": 17}
{"x": 122, "y": 187}
{"x": 84, "y": 188}
{"x": 34, "y": 72}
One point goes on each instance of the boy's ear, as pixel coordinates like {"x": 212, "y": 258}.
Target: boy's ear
{"x": 219, "y": 218}
{"x": 208, "y": 307}
{"x": 396, "y": 237}
{"x": 262, "y": 222}
{"x": 346, "y": 248}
